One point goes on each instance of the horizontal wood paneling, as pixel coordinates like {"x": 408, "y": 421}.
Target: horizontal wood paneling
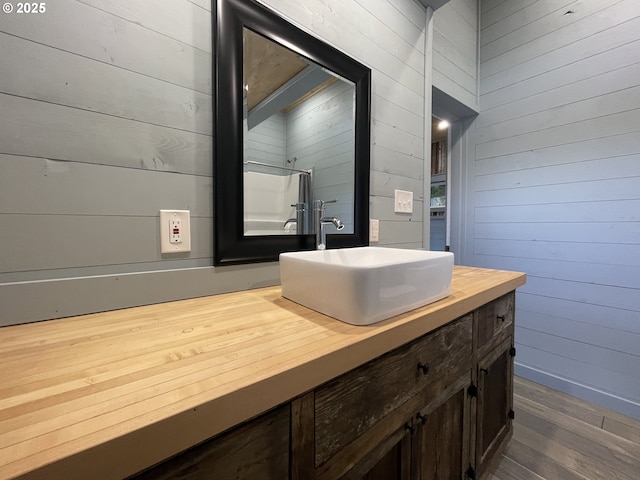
{"x": 599, "y": 107}
{"x": 625, "y": 320}
{"x": 575, "y": 96}
{"x": 78, "y": 28}
{"x": 41, "y": 242}
{"x": 39, "y": 129}
{"x": 592, "y": 21}
{"x": 611, "y": 211}
{"x": 587, "y": 191}
{"x": 593, "y": 44}
{"x": 588, "y": 353}
{"x": 607, "y": 253}
{"x": 188, "y": 23}
{"x": 600, "y": 148}
{"x": 618, "y": 123}
{"x": 589, "y": 272}
{"x": 105, "y": 190}
{"x": 120, "y": 93}
{"x": 563, "y": 173}
{"x": 555, "y": 186}
{"x": 586, "y": 333}
{"x": 455, "y": 55}
{"x": 523, "y": 16}
{"x": 63, "y": 78}
{"x": 601, "y": 232}
{"x": 580, "y": 69}
{"x": 533, "y": 22}
{"x": 389, "y": 38}
{"x": 593, "y": 376}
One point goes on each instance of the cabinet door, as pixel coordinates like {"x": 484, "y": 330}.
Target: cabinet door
{"x": 441, "y": 443}
{"x": 495, "y": 402}
{"x": 390, "y": 461}
{"x": 256, "y": 450}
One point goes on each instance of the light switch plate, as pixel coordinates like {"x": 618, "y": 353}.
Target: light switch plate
{"x": 403, "y": 202}
{"x": 175, "y": 231}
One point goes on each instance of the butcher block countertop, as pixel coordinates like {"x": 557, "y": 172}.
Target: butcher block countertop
{"x": 108, "y": 394}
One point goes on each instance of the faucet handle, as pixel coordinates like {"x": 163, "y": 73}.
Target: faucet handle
{"x": 319, "y": 204}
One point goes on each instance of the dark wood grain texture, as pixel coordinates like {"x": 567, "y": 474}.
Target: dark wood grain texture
{"x": 257, "y": 450}
{"x": 361, "y": 398}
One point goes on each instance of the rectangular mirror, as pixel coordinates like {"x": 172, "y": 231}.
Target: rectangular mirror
{"x": 292, "y": 126}
{"x": 299, "y": 140}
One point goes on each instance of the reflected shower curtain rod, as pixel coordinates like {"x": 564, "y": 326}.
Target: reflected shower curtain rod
{"x": 251, "y": 162}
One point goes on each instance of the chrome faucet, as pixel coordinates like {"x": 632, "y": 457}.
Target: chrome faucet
{"x": 320, "y": 221}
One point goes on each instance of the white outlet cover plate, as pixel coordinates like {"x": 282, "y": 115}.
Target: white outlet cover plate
{"x": 374, "y": 230}
{"x": 403, "y": 202}
{"x": 185, "y": 222}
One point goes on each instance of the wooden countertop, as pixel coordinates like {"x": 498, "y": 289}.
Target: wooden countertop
{"x": 106, "y": 395}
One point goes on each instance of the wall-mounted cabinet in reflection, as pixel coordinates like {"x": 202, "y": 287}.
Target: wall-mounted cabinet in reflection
{"x": 299, "y": 140}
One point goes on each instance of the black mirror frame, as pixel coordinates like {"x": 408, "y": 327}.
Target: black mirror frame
{"x": 231, "y": 246}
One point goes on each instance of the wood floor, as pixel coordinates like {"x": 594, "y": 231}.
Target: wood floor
{"x": 558, "y": 437}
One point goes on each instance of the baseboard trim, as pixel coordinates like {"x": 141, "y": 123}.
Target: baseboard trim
{"x": 590, "y": 394}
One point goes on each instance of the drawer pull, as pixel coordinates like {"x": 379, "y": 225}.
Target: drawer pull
{"x": 424, "y": 367}
{"x": 422, "y": 418}
{"x": 500, "y": 317}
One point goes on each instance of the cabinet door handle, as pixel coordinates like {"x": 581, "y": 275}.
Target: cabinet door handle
{"x": 485, "y": 370}
{"x": 424, "y": 367}
{"x": 410, "y": 427}
{"x": 500, "y": 317}
{"x": 422, "y": 418}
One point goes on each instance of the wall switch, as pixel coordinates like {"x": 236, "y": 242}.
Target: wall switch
{"x": 403, "y": 202}
{"x": 175, "y": 231}
{"x": 374, "y": 230}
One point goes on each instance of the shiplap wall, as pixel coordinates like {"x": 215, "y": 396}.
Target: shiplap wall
{"x": 388, "y": 37}
{"x": 557, "y": 187}
{"x": 455, "y": 53}
{"x": 321, "y": 135}
{"x": 265, "y": 143}
{"x": 107, "y": 118}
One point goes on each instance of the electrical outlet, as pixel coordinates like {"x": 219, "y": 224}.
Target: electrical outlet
{"x": 403, "y": 202}
{"x": 374, "y": 230}
{"x": 175, "y": 231}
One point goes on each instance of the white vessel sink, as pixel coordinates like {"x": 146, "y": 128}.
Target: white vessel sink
{"x": 365, "y": 285}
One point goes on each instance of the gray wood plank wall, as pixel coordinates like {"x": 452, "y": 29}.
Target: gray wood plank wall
{"x": 320, "y": 135}
{"x": 107, "y": 118}
{"x": 556, "y": 187}
{"x": 455, "y": 53}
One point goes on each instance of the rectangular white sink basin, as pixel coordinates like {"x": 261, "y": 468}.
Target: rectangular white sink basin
{"x": 365, "y": 285}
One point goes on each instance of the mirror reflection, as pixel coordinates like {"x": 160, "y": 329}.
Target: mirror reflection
{"x": 299, "y": 140}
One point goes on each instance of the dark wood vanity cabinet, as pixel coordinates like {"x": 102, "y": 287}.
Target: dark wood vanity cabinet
{"x": 400, "y": 416}
{"x": 255, "y": 450}
{"x": 495, "y": 359}
{"x": 438, "y": 408}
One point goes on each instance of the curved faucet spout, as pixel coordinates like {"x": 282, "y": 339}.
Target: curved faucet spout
{"x": 335, "y": 221}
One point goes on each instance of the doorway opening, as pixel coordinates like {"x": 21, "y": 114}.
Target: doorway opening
{"x": 440, "y": 184}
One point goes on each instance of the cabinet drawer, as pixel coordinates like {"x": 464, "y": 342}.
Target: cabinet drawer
{"x": 495, "y": 320}
{"x": 348, "y": 406}
{"x": 256, "y": 450}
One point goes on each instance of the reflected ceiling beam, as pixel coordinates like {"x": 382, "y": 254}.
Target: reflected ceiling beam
{"x": 299, "y": 86}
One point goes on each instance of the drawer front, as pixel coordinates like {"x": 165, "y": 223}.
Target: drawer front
{"x": 255, "y": 450}
{"x": 495, "y": 320}
{"x": 348, "y": 406}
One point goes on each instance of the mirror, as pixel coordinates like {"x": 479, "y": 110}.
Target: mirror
{"x": 292, "y": 125}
